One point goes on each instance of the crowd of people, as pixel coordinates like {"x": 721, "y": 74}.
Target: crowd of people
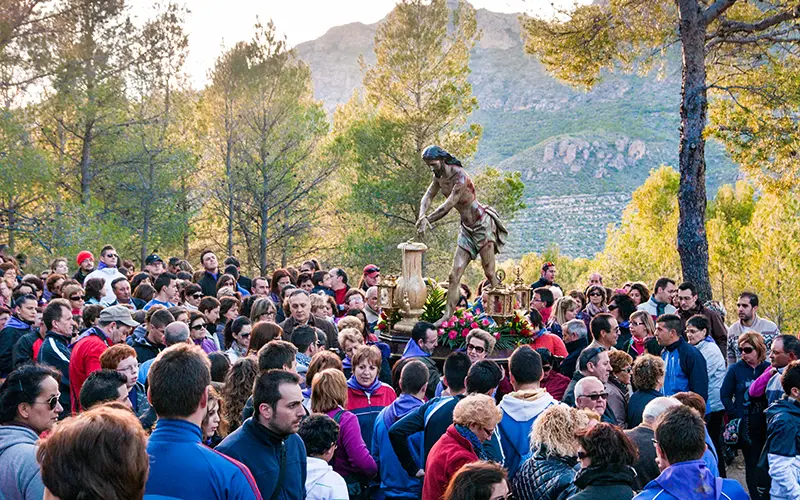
{"x": 176, "y": 383}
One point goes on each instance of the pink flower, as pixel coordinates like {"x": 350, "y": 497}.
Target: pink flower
{"x": 468, "y": 316}
{"x": 473, "y": 325}
{"x": 462, "y": 322}
{"x": 485, "y": 322}
{"x": 452, "y": 335}
{"x": 497, "y": 335}
{"x": 465, "y": 332}
{"x": 441, "y": 331}
{"x": 445, "y": 324}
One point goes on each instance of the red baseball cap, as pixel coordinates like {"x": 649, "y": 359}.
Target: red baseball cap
{"x": 371, "y": 269}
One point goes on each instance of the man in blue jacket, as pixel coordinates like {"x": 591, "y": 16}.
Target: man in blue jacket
{"x": 680, "y": 444}
{"x": 521, "y": 407}
{"x": 180, "y": 465}
{"x": 268, "y": 442}
{"x": 395, "y": 483}
{"x": 685, "y": 364}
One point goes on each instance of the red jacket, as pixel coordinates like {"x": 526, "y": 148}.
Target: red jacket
{"x": 451, "y": 452}
{"x": 556, "y": 384}
{"x": 552, "y": 343}
{"x": 357, "y": 399}
{"x": 85, "y": 359}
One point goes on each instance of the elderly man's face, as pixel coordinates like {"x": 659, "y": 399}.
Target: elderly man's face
{"x": 594, "y": 397}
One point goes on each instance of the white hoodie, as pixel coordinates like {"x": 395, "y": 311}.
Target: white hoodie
{"x": 322, "y": 483}
{"x": 108, "y": 274}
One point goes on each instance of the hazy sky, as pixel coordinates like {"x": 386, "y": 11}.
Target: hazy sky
{"x": 212, "y": 23}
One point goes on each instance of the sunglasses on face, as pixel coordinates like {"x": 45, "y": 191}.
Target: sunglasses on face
{"x": 244, "y": 335}
{"x": 595, "y": 294}
{"x": 582, "y": 455}
{"x": 199, "y": 326}
{"x": 746, "y": 349}
{"x": 77, "y": 298}
{"x": 478, "y": 349}
{"x": 546, "y": 368}
{"x": 372, "y": 270}
{"x": 595, "y": 397}
{"x": 198, "y": 295}
{"x": 52, "y": 402}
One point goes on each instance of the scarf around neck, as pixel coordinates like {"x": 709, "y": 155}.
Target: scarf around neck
{"x": 661, "y": 307}
{"x": 413, "y": 350}
{"x": 353, "y": 384}
{"x": 470, "y": 436}
{"x": 592, "y": 310}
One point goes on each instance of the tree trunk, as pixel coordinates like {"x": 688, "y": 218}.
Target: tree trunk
{"x": 692, "y": 240}
{"x": 86, "y": 172}
{"x": 12, "y": 224}
{"x": 228, "y": 174}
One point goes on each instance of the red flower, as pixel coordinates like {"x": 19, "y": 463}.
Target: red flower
{"x": 465, "y": 332}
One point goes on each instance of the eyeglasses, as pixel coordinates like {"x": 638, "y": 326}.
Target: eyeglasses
{"x": 684, "y": 299}
{"x": 546, "y": 368}
{"x": 198, "y": 295}
{"x": 595, "y": 294}
{"x": 132, "y": 369}
{"x": 595, "y": 397}
{"x": 244, "y": 335}
{"x": 372, "y": 270}
{"x": 198, "y": 326}
{"x": 654, "y": 441}
{"x": 52, "y": 402}
{"x": 478, "y": 349}
{"x": 637, "y": 323}
{"x": 628, "y": 369}
{"x": 582, "y": 455}
{"x": 112, "y": 255}
{"x": 77, "y": 298}
{"x": 488, "y": 431}
{"x": 746, "y": 349}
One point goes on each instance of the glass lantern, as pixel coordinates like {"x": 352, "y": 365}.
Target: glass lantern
{"x": 522, "y": 292}
{"x": 386, "y": 293}
{"x": 501, "y": 301}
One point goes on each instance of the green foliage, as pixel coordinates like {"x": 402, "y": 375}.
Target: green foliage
{"x": 435, "y": 303}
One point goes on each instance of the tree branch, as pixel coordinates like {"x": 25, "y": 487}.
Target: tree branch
{"x": 716, "y": 9}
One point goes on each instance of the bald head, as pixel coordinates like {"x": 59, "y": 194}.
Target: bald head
{"x": 176, "y": 332}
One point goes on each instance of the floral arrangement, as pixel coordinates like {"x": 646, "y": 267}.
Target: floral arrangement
{"x": 453, "y": 332}
{"x": 386, "y": 322}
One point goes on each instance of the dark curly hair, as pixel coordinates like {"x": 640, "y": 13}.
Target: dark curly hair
{"x": 608, "y": 446}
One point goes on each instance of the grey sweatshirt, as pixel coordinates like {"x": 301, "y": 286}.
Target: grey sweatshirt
{"x": 20, "y": 477}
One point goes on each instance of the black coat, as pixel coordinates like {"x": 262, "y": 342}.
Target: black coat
{"x": 604, "y": 483}
{"x": 543, "y": 478}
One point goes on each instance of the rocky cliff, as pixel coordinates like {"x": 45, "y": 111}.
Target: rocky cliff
{"x": 581, "y": 154}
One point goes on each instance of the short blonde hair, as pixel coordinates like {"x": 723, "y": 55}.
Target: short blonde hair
{"x": 556, "y": 428}
{"x": 350, "y": 335}
{"x": 368, "y": 353}
{"x": 488, "y": 339}
{"x": 478, "y": 409}
{"x": 562, "y": 306}
{"x": 317, "y": 301}
{"x": 351, "y": 322}
{"x": 756, "y": 340}
{"x": 645, "y": 318}
{"x": 328, "y": 391}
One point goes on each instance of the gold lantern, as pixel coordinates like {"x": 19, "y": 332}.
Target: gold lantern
{"x": 501, "y": 300}
{"x": 522, "y": 292}
{"x": 386, "y": 293}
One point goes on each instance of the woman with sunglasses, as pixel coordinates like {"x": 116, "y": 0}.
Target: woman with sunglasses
{"x": 606, "y": 456}
{"x": 734, "y": 387}
{"x": 76, "y": 297}
{"x": 596, "y": 295}
{"x": 237, "y": 336}
{"x": 199, "y": 333}
{"x": 191, "y": 295}
{"x": 28, "y": 407}
{"x": 619, "y": 383}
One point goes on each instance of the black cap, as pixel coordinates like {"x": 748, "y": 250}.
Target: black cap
{"x": 153, "y": 258}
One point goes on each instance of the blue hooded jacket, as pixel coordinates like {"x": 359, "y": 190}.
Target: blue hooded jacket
{"x": 176, "y": 452}
{"x": 394, "y": 480}
{"x": 691, "y": 481}
{"x": 520, "y": 410}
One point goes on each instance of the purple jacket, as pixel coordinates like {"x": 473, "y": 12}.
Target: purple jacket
{"x": 207, "y": 345}
{"x": 352, "y": 455}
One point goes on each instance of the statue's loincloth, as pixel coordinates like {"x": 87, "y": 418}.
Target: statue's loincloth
{"x": 488, "y": 229}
